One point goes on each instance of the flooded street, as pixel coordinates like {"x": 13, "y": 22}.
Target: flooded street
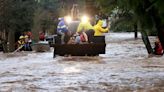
{"x": 124, "y": 68}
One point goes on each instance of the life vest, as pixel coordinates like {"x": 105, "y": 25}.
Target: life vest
{"x": 82, "y": 38}
{"x": 21, "y": 42}
{"x": 158, "y": 49}
{"x": 99, "y": 30}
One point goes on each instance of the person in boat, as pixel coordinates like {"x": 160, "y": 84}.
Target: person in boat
{"x": 27, "y": 46}
{"x": 21, "y": 43}
{"x": 85, "y": 30}
{"x": 41, "y": 36}
{"x": 99, "y": 30}
{"x": 158, "y": 50}
{"x": 78, "y": 39}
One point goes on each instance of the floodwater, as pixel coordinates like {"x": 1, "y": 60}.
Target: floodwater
{"x": 124, "y": 68}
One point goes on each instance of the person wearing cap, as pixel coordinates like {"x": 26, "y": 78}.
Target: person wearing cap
{"x": 21, "y": 42}
{"x": 62, "y": 29}
{"x": 27, "y": 44}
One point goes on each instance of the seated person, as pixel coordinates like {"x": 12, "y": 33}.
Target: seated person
{"x": 41, "y": 36}
{"x": 80, "y": 38}
{"x": 85, "y": 27}
{"x": 71, "y": 40}
{"x": 21, "y": 43}
{"x": 77, "y": 39}
{"x": 27, "y": 46}
{"x": 158, "y": 50}
{"x": 99, "y": 29}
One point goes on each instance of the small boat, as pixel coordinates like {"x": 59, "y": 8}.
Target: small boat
{"x": 41, "y": 46}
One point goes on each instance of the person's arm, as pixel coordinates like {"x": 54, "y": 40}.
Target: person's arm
{"x": 85, "y": 36}
{"x": 103, "y": 30}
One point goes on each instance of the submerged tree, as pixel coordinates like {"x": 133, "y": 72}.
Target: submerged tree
{"x": 146, "y": 15}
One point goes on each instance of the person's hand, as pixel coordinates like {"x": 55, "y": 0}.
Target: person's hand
{"x": 76, "y": 34}
{"x": 107, "y": 28}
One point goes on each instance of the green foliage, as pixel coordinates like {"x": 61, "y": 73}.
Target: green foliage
{"x": 106, "y": 6}
{"x": 48, "y": 12}
{"x": 137, "y": 9}
{"x": 15, "y": 16}
{"x": 18, "y": 15}
{"x": 160, "y": 6}
{"x": 23, "y": 15}
{"x": 123, "y": 24}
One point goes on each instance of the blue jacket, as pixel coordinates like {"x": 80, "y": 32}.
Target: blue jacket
{"x": 62, "y": 26}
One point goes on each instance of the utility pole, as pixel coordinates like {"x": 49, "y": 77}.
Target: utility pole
{"x": 135, "y": 31}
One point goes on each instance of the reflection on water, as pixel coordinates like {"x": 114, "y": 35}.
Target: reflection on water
{"x": 124, "y": 68}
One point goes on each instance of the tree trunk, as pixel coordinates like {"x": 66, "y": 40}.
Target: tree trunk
{"x": 159, "y": 26}
{"x": 36, "y": 26}
{"x": 135, "y": 31}
{"x": 4, "y": 41}
{"x": 4, "y": 45}
{"x": 146, "y": 42}
{"x": 11, "y": 40}
{"x": 145, "y": 38}
{"x": 154, "y": 12}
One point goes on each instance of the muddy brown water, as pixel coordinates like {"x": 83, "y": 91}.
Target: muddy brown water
{"x": 124, "y": 68}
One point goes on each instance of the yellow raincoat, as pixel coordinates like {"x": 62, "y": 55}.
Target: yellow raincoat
{"x": 98, "y": 29}
{"x": 21, "y": 41}
{"x": 84, "y": 26}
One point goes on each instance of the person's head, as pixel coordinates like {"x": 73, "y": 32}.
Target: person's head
{"x": 157, "y": 40}
{"x": 21, "y": 37}
{"x": 61, "y": 19}
{"x": 65, "y": 19}
{"x": 100, "y": 23}
{"x": 29, "y": 34}
{"x": 26, "y": 36}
